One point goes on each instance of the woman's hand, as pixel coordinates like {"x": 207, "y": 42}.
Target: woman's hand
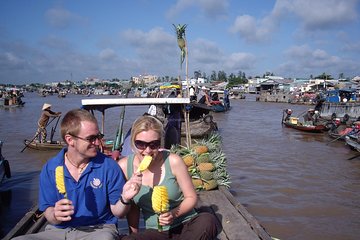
{"x": 132, "y": 187}
{"x": 166, "y": 218}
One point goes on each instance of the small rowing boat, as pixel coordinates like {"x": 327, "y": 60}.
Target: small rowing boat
{"x": 311, "y": 126}
{"x": 48, "y": 145}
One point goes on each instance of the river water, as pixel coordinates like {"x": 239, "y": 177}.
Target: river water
{"x": 298, "y": 185}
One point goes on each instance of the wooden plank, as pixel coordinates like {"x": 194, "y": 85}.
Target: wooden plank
{"x": 234, "y": 221}
{"x": 234, "y": 225}
{"x": 28, "y": 224}
{"x": 254, "y": 224}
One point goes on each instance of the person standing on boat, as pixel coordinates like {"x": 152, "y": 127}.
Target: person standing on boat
{"x": 46, "y": 114}
{"x": 94, "y": 192}
{"x": 167, "y": 169}
{"x": 192, "y": 93}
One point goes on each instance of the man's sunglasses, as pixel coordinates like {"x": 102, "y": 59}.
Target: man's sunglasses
{"x": 141, "y": 145}
{"x": 90, "y": 139}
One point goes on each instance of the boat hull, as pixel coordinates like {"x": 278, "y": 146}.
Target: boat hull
{"x": 306, "y": 128}
{"x": 55, "y": 145}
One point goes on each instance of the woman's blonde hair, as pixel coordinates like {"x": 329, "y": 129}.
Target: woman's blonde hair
{"x": 146, "y": 123}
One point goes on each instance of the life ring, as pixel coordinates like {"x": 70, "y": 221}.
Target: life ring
{"x": 208, "y": 119}
{"x": 7, "y": 168}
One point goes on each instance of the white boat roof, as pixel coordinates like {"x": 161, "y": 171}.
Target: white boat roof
{"x": 103, "y": 103}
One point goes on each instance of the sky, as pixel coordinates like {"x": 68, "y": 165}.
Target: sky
{"x": 52, "y": 41}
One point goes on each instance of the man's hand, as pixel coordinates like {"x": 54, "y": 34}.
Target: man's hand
{"x": 63, "y": 210}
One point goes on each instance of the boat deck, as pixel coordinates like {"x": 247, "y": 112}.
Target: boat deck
{"x": 234, "y": 221}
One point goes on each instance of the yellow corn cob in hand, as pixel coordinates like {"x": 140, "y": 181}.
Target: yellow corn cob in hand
{"x": 160, "y": 201}
{"x": 145, "y": 163}
{"x": 60, "y": 181}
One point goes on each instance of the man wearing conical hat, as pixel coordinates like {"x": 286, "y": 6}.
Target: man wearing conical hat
{"x": 43, "y": 121}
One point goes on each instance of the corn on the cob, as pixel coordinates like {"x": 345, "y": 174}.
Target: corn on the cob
{"x": 206, "y": 167}
{"x": 145, "y": 163}
{"x": 59, "y": 180}
{"x": 160, "y": 201}
{"x": 188, "y": 160}
{"x": 209, "y": 185}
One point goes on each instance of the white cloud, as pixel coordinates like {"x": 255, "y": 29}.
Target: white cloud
{"x": 324, "y": 14}
{"x": 240, "y": 61}
{"x": 251, "y": 29}
{"x": 107, "y": 54}
{"x": 313, "y": 15}
{"x": 213, "y": 9}
{"x": 61, "y": 18}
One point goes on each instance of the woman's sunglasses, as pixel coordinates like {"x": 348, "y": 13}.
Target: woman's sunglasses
{"x": 141, "y": 145}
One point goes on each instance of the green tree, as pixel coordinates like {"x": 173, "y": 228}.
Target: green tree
{"x": 213, "y": 76}
{"x": 222, "y": 76}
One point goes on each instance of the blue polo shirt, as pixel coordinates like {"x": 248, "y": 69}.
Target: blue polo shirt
{"x": 99, "y": 186}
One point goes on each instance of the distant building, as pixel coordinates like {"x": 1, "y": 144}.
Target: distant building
{"x": 146, "y": 79}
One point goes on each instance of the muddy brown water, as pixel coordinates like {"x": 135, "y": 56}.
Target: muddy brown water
{"x": 296, "y": 184}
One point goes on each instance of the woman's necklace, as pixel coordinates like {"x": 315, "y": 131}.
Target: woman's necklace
{"x": 80, "y": 168}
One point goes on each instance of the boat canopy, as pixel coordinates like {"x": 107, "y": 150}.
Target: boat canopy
{"x": 172, "y": 86}
{"x": 102, "y": 104}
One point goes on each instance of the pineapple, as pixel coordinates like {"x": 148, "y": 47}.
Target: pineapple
{"x": 206, "y": 167}
{"x": 188, "y": 160}
{"x": 206, "y": 175}
{"x": 60, "y": 181}
{"x": 198, "y": 183}
{"x": 160, "y": 201}
{"x": 199, "y": 149}
{"x": 145, "y": 163}
{"x": 204, "y": 157}
{"x": 210, "y": 185}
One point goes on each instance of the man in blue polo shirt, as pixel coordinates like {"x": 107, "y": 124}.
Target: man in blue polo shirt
{"x": 95, "y": 189}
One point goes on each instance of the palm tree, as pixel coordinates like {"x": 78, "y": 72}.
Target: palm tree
{"x": 180, "y": 33}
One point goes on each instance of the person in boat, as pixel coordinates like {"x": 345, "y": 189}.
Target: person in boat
{"x": 215, "y": 96}
{"x": 309, "y": 117}
{"x": 226, "y": 98}
{"x": 46, "y": 114}
{"x": 288, "y": 113}
{"x": 192, "y": 93}
{"x": 94, "y": 194}
{"x": 172, "y": 112}
{"x": 181, "y": 221}
{"x": 205, "y": 98}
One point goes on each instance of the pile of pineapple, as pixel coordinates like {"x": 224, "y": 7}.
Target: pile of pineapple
{"x": 206, "y": 163}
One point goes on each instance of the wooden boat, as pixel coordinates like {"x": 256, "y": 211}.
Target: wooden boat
{"x": 48, "y": 145}
{"x": 352, "y": 143}
{"x": 308, "y": 126}
{"x": 51, "y": 144}
{"x": 4, "y": 165}
{"x": 200, "y": 128}
{"x": 234, "y": 221}
{"x": 339, "y": 132}
{"x": 5, "y": 103}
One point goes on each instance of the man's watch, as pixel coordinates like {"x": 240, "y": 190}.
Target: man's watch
{"x": 123, "y": 202}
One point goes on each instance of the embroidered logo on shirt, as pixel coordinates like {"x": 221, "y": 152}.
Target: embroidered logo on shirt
{"x": 96, "y": 183}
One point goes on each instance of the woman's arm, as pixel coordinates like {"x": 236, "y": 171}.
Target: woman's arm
{"x": 133, "y": 215}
